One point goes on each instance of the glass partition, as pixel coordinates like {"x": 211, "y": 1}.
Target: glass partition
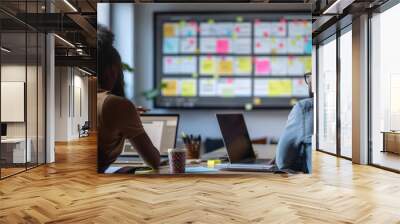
{"x": 346, "y": 93}
{"x": 22, "y": 77}
{"x": 385, "y": 89}
{"x": 14, "y": 153}
{"x": 327, "y": 96}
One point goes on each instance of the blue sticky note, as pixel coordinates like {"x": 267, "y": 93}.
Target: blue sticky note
{"x": 308, "y": 47}
{"x": 171, "y": 46}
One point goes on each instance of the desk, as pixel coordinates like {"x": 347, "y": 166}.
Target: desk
{"x": 391, "y": 142}
{"x": 13, "y": 150}
{"x": 262, "y": 152}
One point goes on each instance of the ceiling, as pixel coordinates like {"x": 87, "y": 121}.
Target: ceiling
{"x": 75, "y": 21}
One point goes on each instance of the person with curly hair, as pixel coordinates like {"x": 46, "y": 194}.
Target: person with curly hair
{"x": 118, "y": 118}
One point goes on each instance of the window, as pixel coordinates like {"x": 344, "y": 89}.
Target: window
{"x": 327, "y": 96}
{"x": 346, "y": 93}
{"x": 385, "y": 89}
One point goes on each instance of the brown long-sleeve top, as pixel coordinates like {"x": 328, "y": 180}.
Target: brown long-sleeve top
{"x": 118, "y": 120}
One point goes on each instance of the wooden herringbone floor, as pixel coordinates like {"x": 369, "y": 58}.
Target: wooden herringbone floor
{"x": 70, "y": 191}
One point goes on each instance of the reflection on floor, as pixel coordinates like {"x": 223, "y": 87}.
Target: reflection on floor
{"x": 10, "y": 171}
{"x": 14, "y": 169}
{"x": 387, "y": 159}
{"x": 70, "y": 191}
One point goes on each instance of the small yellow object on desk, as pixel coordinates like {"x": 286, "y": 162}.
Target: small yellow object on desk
{"x": 213, "y": 162}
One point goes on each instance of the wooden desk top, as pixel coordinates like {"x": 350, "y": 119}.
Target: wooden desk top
{"x": 262, "y": 152}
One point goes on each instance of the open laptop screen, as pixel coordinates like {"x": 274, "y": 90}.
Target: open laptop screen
{"x": 161, "y": 129}
{"x": 236, "y": 137}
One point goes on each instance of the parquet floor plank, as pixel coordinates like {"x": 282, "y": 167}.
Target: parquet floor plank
{"x": 70, "y": 191}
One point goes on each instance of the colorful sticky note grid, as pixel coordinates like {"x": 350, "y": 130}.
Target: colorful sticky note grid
{"x": 188, "y": 88}
{"x": 222, "y": 46}
{"x": 169, "y": 87}
{"x": 225, "y": 67}
{"x": 263, "y": 66}
{"x": 280, "y": 87}
{"x": 169, "y": 30}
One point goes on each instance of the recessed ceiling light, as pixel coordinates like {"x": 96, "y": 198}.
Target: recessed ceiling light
{"x": 5, "y": 50}
{"x": 70, "y": 5}
{"x": 64, "y": 40}
{"x": 84, "y": 71}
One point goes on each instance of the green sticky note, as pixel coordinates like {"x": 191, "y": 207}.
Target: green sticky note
{"x": 248, "y": 106}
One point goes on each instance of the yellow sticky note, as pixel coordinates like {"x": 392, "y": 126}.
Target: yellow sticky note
{"x": 169, "y": 30}
{"x": 207, "y": 66}
{"x": 234, "y": 35}
{"x": 213, "y": 162}
{"x": 257, "y": 101}
{"x": 170, "y": 88}
{"x": 211, "y": 21}
{"x": 182, "y": 23}
{"x": 280, "y": 87}
{"x": 244, "y": 64}
{"x": 273, "y": 40}
{"x": 290, "y": 62}
{"x": 225, "y": 67}
{"x": 239, "y": 19}
{"x": 194, "y": 75}
{"x": 307, "y": 64}
{"x": 188, "y": 88}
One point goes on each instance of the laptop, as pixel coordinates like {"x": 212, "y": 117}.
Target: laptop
{"x": 238, "y": 145}
{"x": 162, "y": 130}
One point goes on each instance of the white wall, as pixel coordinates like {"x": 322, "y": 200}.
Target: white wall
{"x": 260, "y": 123}
{"x": 70, "y": 83}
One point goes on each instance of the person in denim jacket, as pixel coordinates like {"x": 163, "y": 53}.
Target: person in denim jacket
{"x": 293, "y": 152}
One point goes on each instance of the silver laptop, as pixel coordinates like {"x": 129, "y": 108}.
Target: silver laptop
{"x": 238, "y": 145}
{"x": 162, "y": 131}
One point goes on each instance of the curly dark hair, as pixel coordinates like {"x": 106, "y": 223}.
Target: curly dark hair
{"x": 107, "y": 57}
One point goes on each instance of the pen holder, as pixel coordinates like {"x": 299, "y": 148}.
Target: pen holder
{"x": 193, "y": 150}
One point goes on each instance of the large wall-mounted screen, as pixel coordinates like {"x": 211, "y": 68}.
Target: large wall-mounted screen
{"x": 231, "y": 60}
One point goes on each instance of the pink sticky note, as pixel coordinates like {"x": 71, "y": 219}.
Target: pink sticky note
{"x": 169, "y": 60}
{"x": 263, "y": 66}
{"x": 191, "y": 41}
{"x": 229, "y": 81}
{"x": 222, "y": 46}
{"x": 257, "y": 22}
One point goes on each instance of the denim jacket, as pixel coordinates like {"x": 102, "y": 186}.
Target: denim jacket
{"x": 294, "y": 148}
